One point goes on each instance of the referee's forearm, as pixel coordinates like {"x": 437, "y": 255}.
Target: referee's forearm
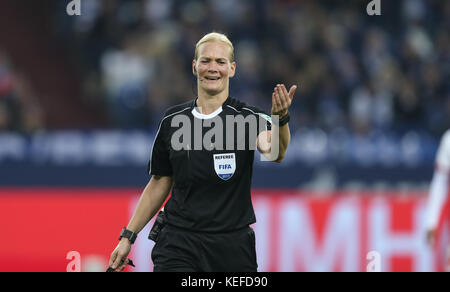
{"x": 150, "y": 202}
{"x": 284, "y": 138}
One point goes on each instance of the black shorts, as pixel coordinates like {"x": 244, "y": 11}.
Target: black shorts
{"x": 180, "y": 250}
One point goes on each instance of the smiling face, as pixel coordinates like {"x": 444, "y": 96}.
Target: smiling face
{"x": 214, "y": 68}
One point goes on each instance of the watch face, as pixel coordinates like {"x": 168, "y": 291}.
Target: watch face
{"x": 133, "y": 237}
{"x": 130, "y": 235}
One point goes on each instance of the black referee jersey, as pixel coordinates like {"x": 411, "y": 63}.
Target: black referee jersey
{"x": 211, "y": 191}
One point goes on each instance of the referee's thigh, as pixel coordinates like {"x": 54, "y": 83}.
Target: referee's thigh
{"x": 174, "y": 252}
{"x": 179, "y": 250}
{"x": 231, "y": 252}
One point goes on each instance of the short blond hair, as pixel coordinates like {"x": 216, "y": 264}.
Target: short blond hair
{"x": 215, "y": 37}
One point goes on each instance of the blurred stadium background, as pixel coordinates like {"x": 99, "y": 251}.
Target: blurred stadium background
{"x": 81, "y": 96}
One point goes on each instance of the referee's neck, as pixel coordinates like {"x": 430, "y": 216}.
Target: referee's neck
{"x": 208, "y": 104}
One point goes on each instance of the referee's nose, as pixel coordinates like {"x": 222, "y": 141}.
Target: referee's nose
{"x": 212, "y": 68}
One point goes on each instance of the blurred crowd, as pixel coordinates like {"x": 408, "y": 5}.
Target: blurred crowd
{"x": 354, "y": 71}
{"x": 20, "y": 109}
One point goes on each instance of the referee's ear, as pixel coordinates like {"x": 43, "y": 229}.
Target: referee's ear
{"x": 232, "y": 69}
{"x": 194, "y": 70}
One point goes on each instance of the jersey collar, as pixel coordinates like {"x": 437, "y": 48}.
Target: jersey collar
{"x": 201, "y": 116}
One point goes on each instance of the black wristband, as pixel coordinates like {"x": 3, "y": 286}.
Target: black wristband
{"x": 128, "y": 234}
{"x": 284, "y": 120}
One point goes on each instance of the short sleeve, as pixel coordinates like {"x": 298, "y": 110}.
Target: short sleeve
{"x": 159, "y": 163}
{"x": 443, "y": 155}
{"x": 264, "y": 120}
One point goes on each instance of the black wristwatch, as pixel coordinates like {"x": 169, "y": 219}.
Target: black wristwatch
{"x": 284, "y": 120}
{"x": 128, "y": 234}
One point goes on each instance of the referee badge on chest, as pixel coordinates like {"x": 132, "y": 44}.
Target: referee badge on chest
{"x": 225, "y": 165}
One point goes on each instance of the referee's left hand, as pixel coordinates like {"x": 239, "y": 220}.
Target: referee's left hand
{"x": 282, "y": 99}
{"x": 118, "y": 260}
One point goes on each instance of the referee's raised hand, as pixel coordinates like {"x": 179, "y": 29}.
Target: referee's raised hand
{"x": 282, "y": 99}
{"x": 118, "y": 260}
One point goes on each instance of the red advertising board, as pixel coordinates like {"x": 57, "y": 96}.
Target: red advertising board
{"x": 47, "y": 229}
{"x": 40, "y": 227}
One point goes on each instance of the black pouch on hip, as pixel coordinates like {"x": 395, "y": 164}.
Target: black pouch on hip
{"x": 157, "y": 226}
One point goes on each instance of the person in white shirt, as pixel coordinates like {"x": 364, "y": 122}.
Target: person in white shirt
{"x": 438, "y": 189}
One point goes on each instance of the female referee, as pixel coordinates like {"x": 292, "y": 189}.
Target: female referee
{"x": 207, "y": 218}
